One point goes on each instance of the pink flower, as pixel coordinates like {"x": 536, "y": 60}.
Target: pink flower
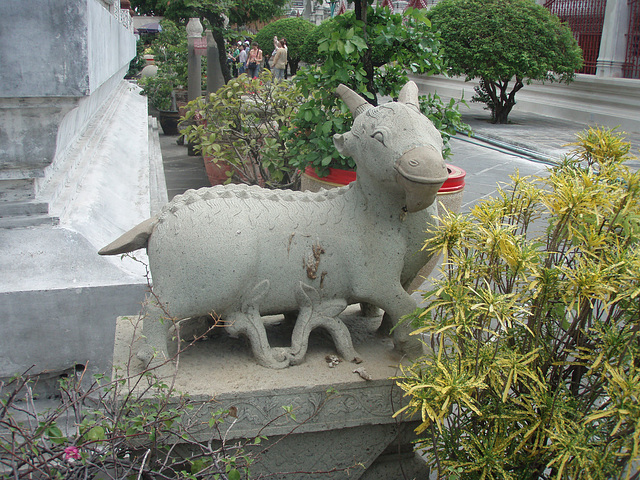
{"x": 71, "y": 454}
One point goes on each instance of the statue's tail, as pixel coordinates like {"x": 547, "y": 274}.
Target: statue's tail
{"x": 136, "y": 238}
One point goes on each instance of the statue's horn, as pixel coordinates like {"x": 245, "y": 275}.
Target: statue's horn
{"x": 409, "y": 94}
{"x": 355, "y": 102}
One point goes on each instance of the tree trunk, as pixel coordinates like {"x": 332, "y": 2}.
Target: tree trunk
{"x": 222, "y": 54}
{"x": 502, "y": 102}
{"x": 361, "y": 14}
{"x": 501, "y": 113}
{"x": 217, "y": 25}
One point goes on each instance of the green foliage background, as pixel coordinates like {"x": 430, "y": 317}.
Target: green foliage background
{"x": 294, "y": 30}
{"x": 344, "y": 49}
{"x": 240, "y": 125}
{"x": 169, "y": 48}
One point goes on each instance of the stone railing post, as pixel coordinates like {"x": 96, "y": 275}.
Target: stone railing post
{"x": 215, "y": 80}
{"x": 194, "y": 30}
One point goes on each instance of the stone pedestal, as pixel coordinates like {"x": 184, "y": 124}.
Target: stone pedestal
{"x": 343, "y": 425}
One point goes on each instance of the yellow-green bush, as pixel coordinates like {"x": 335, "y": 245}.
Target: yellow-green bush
{"x": 534, "y": 363}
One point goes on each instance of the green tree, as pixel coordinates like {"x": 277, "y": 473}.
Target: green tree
{"x": 499, "y": 41}
{"x": 405, "y": 43}
{"x": 533, "y": 334}
{"x": 295, "y": 30}
{"x": 170, "y": 50}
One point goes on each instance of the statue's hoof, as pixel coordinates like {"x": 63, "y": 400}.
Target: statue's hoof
{"x": 295, "y": 359}
{"x": 411, "y": 348}
{"x": 280, "y": 358}
{"x": 145, "y": 354}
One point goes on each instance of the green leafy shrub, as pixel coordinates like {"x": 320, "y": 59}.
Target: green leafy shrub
{"x": 294, "y": 30}
{"x": 533, "y": 333}
{"x": 122, "y": 428}
{"x": 170, "y": 49}
{"x": 498, "y": 40}
{"x": 372, "y": 63}
{"x": 159, "y": 90}
{"x": 240, "y": 124}
{"x": 446, "y": 117}
{"x": 379, "y": 53}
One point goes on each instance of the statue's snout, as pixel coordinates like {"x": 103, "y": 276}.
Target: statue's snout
{"x": 421, "y": 172}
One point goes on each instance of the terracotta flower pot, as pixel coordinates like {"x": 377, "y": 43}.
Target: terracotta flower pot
{"x": 216, "y": 171}
{"x": 336, "y": 178}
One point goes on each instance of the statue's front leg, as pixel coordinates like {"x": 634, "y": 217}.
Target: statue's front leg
{"x": 396, "y": 304}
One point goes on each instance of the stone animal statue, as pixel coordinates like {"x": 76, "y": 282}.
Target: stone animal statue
{"x": 245, "y": 252}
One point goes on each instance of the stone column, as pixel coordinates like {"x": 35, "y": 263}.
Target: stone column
{"x": 215, "y": 80}
{"x": 613, "y": 44}
{"x": 306, "y": 13}
{"x": 194, "y": 30}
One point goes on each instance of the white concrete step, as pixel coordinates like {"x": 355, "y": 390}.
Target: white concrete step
{"x": 28, "y": 221}
{"x": 15, "y": 209}
{"x": 17, "y": 190}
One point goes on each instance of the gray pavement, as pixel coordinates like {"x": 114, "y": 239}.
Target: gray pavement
{"x": 538, "y": 136}
{"x": 181, "y": 171}
{"x": 487, "y": 166}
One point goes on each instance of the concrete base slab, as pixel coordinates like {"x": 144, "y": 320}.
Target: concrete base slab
{"x": 343, "y": 424}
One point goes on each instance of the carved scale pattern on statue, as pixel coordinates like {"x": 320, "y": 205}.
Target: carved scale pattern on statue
{"x": 245, "y": 252}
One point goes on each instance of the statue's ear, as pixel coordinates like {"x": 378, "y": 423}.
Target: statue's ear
{"x": 341, "y": 140}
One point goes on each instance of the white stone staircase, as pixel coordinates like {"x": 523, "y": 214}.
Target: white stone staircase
{"x": 18, "y": 205}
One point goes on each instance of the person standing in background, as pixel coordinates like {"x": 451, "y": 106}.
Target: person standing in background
{"x": 242, "y": 60}
{"x": 283, "y": 41}
{"x": 254, "y": 60}
{"x": 279, "y": 62}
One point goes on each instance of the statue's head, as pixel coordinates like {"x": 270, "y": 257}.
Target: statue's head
{"x": 396, "y": 145}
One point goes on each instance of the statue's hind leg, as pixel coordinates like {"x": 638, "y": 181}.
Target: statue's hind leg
{"x": 155, "y": 327}
{"x": 249, "y": 323}
{"x": 314, "y": 313}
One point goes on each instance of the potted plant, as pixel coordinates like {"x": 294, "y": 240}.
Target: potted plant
{"x": 160, "y": 90}
{"x": 164, "y": 89}
{"x": 238, "y": 127}
{"x": 371, "y": 66}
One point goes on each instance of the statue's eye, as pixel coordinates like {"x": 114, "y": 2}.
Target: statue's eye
{"x": 379, "y": 136}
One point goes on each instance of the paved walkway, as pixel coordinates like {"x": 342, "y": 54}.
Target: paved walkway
{"x": 542, "y": 137}
{"x": 181, "y": 171}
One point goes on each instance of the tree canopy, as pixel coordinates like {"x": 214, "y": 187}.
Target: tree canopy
{"x": 295, "y": 30}
{"x": 500, "y": 40}
{"x": 239, "y": 12}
